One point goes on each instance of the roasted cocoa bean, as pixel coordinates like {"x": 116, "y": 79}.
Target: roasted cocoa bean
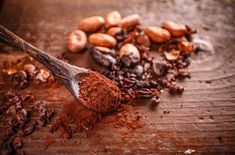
{"x": 157, "y": 34}
{"x": 76, "y": 41}
{"x": 30, "y": 69}
{"x": 91, "y": 24}
{"x": 43, "y": 75}
{"x": 117, "y": 32}
{"x": 130, "y": 21}
{"x": 105, "y": 40}
{"x": 129, "y": 50}
{"x": 112, "y": 19}
{"x": 20, "y": 79}
{"x": 104, "y": 59}
{"x": 175, "y": 29}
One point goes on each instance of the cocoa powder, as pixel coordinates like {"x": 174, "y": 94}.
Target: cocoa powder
{"x": 98, "y": 92}
{"x": 75, "y": 118}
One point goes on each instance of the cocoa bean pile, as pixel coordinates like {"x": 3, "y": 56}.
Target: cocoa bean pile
{"x": 29, "y": 73}
{"x": 21, "y": 110}
{"x": 124, "y": 47}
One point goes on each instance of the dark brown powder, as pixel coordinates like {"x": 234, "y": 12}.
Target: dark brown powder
{"x": 75, "y": 118}
{"x": 98, "y": 92}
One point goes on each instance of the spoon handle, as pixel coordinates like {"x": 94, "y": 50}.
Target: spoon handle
{"x": 56, "y": 66}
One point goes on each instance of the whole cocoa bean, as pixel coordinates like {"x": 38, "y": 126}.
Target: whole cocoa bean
{"x": 100, "y": 39}
{"x": 176, "y": 30}
{"x": 157, "y": 34}
{"x": 43, "y": 75}
{"x": 103, "y": 56}
{"x": 76, "y": 41}
{"x": 112, "y": 19}
{"x": 129, "y": 50}
{"x": 113, "y": 31}
{"x": 130, "y": 21}
{"x": 91, "y": 24}
{"x": 29, "y": 68}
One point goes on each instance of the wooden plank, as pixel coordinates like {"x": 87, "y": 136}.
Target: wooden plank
{"x": 203, "y": 118}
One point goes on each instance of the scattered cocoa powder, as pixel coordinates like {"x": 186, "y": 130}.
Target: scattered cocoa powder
{"x": 75, "y": 118}
{"x": 129, "y": 118}
{"x": 48, "y": 142}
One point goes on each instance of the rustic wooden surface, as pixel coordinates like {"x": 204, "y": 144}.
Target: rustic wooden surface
{"x": 202, "y": 119}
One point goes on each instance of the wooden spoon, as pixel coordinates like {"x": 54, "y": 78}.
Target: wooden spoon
{"x": 71, "y": 76}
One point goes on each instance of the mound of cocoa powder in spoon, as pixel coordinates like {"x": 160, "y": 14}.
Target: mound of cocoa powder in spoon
{"x": 97, "y": 95}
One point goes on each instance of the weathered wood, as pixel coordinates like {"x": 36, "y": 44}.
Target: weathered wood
{"x": 203, "y": 118}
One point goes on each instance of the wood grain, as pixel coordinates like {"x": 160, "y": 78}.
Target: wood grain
{"x": 203, "y": 118}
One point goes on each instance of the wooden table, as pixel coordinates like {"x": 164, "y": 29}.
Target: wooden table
{"x": 202, "y": 119}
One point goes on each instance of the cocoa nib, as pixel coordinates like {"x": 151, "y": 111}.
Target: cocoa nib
{"x": 175, "y": 88}
{"x": 29, "y": 129}
{"x": 161, "y": 68}
{"x": 145, "y": 93}
{"x": 129, "y": 60}
{"x": 155, "y": 100}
